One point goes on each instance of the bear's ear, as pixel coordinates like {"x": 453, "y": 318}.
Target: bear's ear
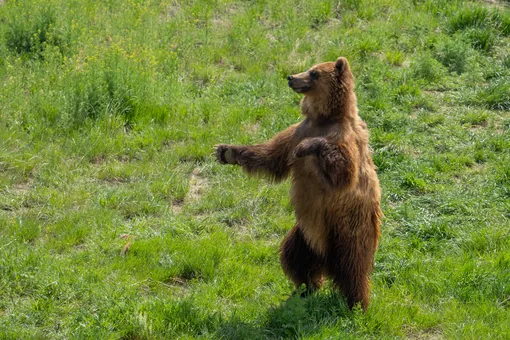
{"x": 341, "y": 65}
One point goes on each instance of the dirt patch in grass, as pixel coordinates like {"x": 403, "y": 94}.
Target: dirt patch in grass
{"x": 21, "y": 188}
{"x": 252, "y": 129}
{"x": 429, "y": 334}
{"x": 177, "y": 206}
{"x": 197, "y": 185}
{"x": 177, "y": 281}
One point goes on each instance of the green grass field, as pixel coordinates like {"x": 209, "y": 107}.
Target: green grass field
{"x": 117, "y": 223}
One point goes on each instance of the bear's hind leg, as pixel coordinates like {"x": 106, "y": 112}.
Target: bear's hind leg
{"x": 299, "y": 262}
{"x": 351, "y": 276}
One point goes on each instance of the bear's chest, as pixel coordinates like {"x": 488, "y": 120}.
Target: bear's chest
{"x": 309, "y": 129}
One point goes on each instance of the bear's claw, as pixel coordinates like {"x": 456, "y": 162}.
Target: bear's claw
{"x": 225, "y": 154}
{"x": 220, "y": 150}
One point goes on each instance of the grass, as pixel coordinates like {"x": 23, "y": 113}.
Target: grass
{"x": 116, "y": 222}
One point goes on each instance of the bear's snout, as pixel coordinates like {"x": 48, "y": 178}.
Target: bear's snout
{"x": 290, "y": 78}
{"x": 299, "y": 83}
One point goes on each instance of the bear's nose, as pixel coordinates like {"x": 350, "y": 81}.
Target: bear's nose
{"x": 289, "y": 78}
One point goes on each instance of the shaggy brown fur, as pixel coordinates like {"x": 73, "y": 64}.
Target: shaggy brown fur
{"x": 335, "y": 191}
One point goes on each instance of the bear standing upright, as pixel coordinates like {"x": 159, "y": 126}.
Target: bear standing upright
{"x": 335, "y": 191}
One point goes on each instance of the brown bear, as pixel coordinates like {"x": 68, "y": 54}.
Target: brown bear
{"x": 335, "y": 191}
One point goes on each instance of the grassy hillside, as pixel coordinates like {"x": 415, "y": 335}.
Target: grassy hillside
{"x": 116, "y": 222}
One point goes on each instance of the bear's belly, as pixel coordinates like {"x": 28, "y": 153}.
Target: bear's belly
{"x": 308, "y": 198}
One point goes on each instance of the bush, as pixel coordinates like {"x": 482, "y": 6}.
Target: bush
{"x": 453, "y": 54}
{"x": 109, "y": 87}
{"x": 469, "y": 18}
{"x": 427, "y": 68}
{"x": 480, "y": 18}
{"x": 481, "y": 39}
{"x": 32, "y": 35}
{"x": 496, "y": 96}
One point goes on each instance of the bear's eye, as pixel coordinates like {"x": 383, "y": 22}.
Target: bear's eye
{"x": 314, "y": 74}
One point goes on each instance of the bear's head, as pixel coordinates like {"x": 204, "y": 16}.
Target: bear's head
{"x": 327, "y": 87}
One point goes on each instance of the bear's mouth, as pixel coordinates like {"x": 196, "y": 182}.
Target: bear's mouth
{"x": 300, "y": 83}
{"x": 299, "y": 88}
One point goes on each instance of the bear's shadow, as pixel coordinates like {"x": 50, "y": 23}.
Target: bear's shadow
{"x": 294, "y": 318}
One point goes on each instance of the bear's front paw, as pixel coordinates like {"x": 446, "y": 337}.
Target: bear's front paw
{"x": 307, "y": 147}
{"x": 225, "y": 154}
